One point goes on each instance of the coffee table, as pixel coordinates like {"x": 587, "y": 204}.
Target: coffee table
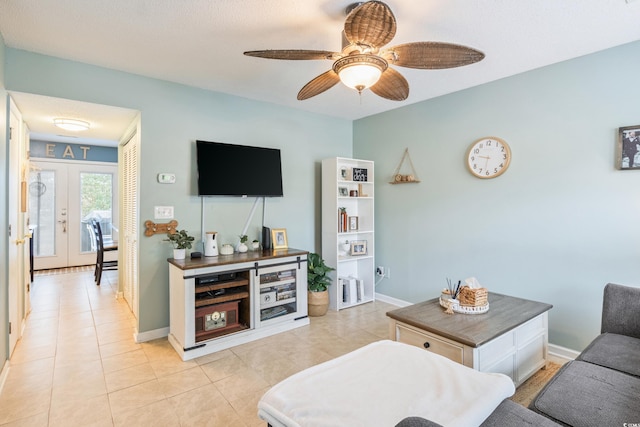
{"x": 511, "y": 338}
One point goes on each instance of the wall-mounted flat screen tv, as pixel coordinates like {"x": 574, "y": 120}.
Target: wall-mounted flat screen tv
{"x": 238, "y": 170}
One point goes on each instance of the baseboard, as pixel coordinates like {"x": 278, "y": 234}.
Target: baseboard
{"x": 4, "y": 373}
{"x": 151, "y": 335}
{"x": 392, "y": 300}
{"x": 562, "y": 352}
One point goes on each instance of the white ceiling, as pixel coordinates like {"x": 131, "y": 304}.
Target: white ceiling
{"x": 108, "y": 124}
{"x": 201, "y": 42}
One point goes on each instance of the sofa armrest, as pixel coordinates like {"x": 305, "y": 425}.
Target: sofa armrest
{"x": 621, "y": 310}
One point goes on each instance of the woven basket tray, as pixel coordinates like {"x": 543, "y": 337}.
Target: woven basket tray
{"x": 457, "y": 308}
{"x": 473, "y": 297}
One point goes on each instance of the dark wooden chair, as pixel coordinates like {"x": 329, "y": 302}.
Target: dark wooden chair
{"x": 101, "y": 248}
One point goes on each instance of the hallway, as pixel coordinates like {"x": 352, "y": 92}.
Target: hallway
{"x": 77, "y": 363}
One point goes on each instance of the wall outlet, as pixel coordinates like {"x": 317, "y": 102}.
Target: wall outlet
{"x": 380, "y": 271}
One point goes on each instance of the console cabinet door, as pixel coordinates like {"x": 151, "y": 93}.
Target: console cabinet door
{"x": 279, "y": 293}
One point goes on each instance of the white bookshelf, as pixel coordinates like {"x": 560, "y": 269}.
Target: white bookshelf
{"x": 360, "y": 267}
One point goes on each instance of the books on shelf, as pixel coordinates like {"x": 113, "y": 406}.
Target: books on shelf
{"x": 351, "y": 289}
{"x": 343, "y": 219}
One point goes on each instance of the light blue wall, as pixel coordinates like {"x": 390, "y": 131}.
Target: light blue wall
{"x": 556, "y": 227}
{"x": 4, "y": 239}
{"x": 174, "y": 116}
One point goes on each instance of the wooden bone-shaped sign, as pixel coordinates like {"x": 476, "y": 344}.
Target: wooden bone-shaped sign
{"x": 153, "y": 228}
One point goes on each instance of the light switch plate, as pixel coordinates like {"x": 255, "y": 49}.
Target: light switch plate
{"x": 163, "y": 212}
{"x": 166, "y": 178}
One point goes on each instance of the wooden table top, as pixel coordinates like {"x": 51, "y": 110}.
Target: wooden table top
{"x": 505, "y": 313}
{"x": 249, "y": 256}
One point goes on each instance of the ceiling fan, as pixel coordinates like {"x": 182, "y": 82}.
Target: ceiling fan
{"x": 364, "y": 63}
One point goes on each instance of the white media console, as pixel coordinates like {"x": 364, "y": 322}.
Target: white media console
{"x": 223, "y": 301}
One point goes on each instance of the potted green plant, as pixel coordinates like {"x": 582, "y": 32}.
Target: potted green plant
{"x": 242, "y": 247}
{"x": 181, "y": 241}
{"x": 318, "y": 282}
{"x": 255, "y": 245}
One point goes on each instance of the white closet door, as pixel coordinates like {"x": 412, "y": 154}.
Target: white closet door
{"x": 131, "y": 159}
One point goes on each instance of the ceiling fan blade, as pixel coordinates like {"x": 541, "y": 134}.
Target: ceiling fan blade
{"x": 293, "y": 54}
{"x": 392, "y": 85}
{"x": 372, "y": 23}
{"x": 431, "y": 55}
{"x": 318, "y": 85}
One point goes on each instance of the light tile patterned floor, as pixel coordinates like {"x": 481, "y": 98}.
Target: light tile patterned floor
{"x": 77, "y": 363}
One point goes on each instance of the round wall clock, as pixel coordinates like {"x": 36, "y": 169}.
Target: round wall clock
{"x": 488, "y": 157}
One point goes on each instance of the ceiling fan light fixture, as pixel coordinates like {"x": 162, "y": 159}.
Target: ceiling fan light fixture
{"x": 360, "y": 72}
{"x": 71, "y": 124}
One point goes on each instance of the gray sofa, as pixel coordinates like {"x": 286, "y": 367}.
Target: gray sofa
{"x": 600, "y": 388}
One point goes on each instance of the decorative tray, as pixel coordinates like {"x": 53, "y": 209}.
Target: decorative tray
{"x": 464, "y": 309}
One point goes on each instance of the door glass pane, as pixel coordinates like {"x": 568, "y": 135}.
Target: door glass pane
{"x": 42, "y": 190}
{"x": 96, "y": 197}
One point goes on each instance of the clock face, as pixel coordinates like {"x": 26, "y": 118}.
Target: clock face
{"x": 488, "y": 157}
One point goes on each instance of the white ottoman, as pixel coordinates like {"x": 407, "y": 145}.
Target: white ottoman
{"x": 381, "y": 384}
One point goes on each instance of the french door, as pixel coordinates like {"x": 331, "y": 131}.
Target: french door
{"x": 63, "y": 198}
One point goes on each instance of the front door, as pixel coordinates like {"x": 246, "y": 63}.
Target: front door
{"x": 63, "y": 198}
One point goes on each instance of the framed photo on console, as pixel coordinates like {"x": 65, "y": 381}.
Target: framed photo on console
{"x": 628, "y": 147}
{"x": 279, "y": 238}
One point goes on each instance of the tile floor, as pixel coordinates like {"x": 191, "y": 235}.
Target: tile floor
{"x": 77, "y": 363}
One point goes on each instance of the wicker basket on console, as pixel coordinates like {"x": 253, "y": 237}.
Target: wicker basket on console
{"x": 473, "y": 297}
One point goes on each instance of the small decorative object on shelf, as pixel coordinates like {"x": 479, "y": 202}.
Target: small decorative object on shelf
{"x": 343, "y": 192}
{"x": 226, "y": 249}
{"x": 353, "y": 223}
{"x": 359, "y": 174}
{"x": 255, "y": 245}
{"x": 242, "y": 247}
{"x": 358, "y": 247}
{"x": 405, "y": 178}
{"x": 345, "y": 173}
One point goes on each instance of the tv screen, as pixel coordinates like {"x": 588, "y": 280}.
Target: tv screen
{"x": 238, "y": 170}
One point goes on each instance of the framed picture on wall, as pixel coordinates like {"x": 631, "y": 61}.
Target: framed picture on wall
{"x": 629, "y": 147}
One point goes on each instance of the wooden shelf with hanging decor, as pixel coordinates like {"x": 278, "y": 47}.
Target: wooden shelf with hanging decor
{"x": 405, "y": 178}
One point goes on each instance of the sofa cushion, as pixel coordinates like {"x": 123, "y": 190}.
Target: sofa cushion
{"x": 620, "y": 310}
{"x": 619, "y": 352}
{"x": 584, "y": 394}
{"x": 509, "y": 413}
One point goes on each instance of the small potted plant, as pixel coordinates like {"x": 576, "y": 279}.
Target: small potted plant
{"x": 255, "y": 245}
{"x": 318, "y": 282}
{"x": 242, "y": 247}
{"x": 181, "y": 241}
